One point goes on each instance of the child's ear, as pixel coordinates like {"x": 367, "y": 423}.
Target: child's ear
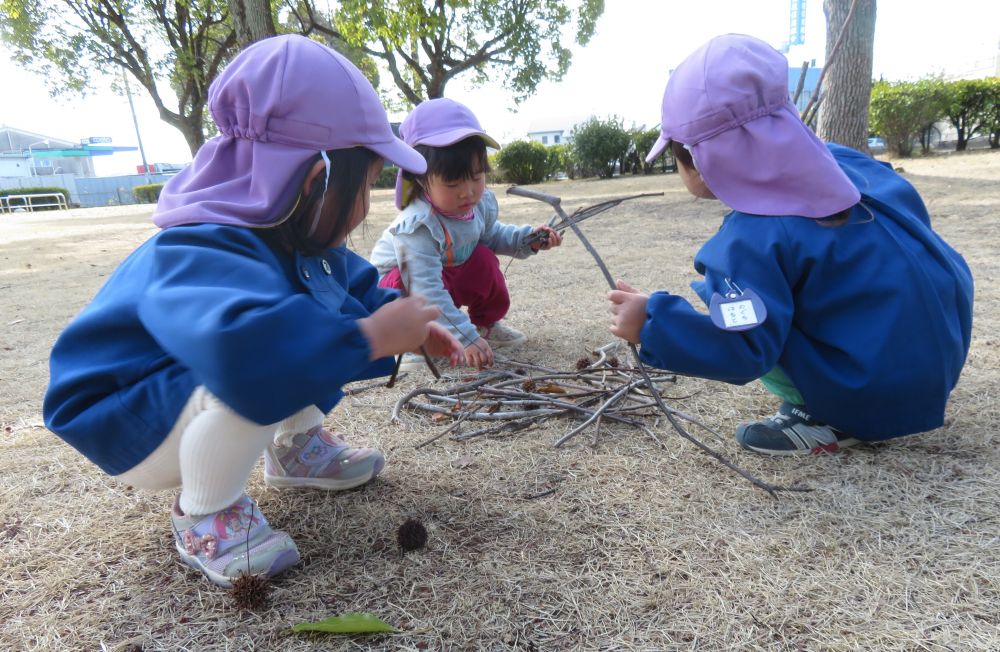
{"x": 317, "y": 169}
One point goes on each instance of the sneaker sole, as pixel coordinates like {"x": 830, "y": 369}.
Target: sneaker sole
{"x": 279, "y": 564}
{"x": 284, "y": 482}
{"x": 817, "y": 450}
{"x": 291, "y": 482}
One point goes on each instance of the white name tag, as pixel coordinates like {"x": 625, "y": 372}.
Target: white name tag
{"x": 738, "y": 310}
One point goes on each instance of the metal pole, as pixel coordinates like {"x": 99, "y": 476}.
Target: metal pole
{"x": 135, "y": 121}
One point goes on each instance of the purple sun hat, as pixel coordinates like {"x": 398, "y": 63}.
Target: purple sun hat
{"x": 278, "y": 104}
{"x": 728, "y": 104}
{"x": 437, "y": 123}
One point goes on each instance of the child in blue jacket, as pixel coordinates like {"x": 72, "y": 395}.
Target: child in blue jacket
{"x": 231, "y": 331}
{"x": 826, "y": 281}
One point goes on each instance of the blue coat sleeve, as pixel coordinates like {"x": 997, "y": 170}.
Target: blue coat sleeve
{"x": 228, "y": 309}
{"x": 362, "y": 283}
{"x": 682, "y": 339}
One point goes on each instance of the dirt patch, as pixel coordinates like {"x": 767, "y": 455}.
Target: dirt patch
{"x": 637, "y": 547}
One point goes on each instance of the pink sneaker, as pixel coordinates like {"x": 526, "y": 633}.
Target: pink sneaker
{"x": 321, "y": 459}
{"x": 231, "y": 542}
{"x": 500, "y": 335}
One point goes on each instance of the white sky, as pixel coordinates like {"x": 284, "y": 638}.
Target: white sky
{"x": 622, "y": 71}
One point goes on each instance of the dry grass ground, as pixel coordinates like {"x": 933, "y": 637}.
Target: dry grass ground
{"x": 638, "y": 548}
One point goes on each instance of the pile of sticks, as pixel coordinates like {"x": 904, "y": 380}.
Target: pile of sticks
{"x": 514, "y": 396}
{"x": 597, "y": 391}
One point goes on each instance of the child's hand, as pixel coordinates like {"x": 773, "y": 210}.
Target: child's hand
{"x": 479, "y": 354}
{"x": 551, "y": 238}
{"x": 398, "y": 326}
{"x": 440, "y": 344}
{"x": 628, "y": 311}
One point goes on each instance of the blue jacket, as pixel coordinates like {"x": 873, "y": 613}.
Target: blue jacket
{"x": 266, "y": 331}
{"x": 870, "y": 320}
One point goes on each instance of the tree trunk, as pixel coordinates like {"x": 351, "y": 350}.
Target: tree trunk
{"x": 252, "y": 21}
{"x": 190, "y": 127}
{"x": 847, "y": 85}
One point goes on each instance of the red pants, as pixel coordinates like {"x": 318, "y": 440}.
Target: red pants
{"x": 477, "y": 283}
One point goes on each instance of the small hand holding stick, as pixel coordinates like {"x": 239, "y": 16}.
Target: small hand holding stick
{"x": 404, "y": 280}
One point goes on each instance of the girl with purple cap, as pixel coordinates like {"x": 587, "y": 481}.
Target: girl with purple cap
{"x": 230, "y": 332}
{"x": 826, "y": 281}
{"x": 447, "y": 236}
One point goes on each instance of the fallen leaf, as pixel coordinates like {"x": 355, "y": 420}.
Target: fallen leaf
{"x": 438, "y": 417}
{"x": 350, "y": 623}
{"x": 549, "y": 388}
{"x": 464, "y": 462}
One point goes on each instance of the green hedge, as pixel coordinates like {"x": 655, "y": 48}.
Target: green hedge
{"x": 524, "y": 161}
{"x": 147, "y": 194}
{"x": 34, "y": 191}
{"x": 599, "y": 146}
{"x": 387, "y": 177}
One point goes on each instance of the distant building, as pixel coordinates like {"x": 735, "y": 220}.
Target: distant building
{"x": 551, "y": 132}
{"x": 28, "y": 154}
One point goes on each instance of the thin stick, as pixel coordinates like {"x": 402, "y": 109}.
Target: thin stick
{"x": 458, "y": 422}
{"x": 404, "y": 278}
{"x": 596, "y": 415}
{"x": 801, "y": 83}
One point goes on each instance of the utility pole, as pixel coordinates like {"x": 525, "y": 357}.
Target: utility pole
{"x": 135, "y": 121}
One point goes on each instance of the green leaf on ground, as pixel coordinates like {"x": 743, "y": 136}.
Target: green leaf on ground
{"x": 351, "y": 623}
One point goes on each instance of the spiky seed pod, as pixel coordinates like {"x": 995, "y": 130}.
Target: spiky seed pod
{"x": 411, "y": 535}
{"x": 613, "y": 361}
{"x": 582, "y": 364}
{"x": 250, "y": 591}
{"x": 529, "y": 385}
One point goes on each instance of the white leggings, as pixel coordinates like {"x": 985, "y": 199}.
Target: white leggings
{"x": 210, "y": 453}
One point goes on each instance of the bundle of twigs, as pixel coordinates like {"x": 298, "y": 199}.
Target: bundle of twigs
{"x": 514, "y": 396}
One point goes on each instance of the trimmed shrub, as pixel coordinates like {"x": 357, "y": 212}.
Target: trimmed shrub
{"x": 15, "y": 203}
{"x": 558, "y": 160}
{"x": 495, "y": 175}
{"x": 901, "y": 111}
{"x": 524, "y": 161}
{"x": 643, "y": 141}
{"x": 147, "y": 194}
{"x": 387, "y": 177}
{"x": 599, "y": 146}
{"x": 972, "y": 108}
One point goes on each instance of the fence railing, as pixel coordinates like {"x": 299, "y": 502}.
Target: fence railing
{"x": 33, "y": 201}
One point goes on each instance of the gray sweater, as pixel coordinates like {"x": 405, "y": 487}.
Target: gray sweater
{"x": 420, "y": 232}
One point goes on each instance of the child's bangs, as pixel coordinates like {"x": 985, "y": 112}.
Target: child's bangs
{"x": 462, "y": 160}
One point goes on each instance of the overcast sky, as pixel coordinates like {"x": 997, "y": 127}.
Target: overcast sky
{"x": 622, "y": 71}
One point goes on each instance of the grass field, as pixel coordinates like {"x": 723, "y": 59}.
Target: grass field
{"x": 897, "y": 546}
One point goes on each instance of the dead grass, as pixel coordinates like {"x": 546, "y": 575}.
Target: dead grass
{"x": 638, "y": 548}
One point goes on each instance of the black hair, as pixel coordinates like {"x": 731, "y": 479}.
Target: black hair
{"x": 348, "y": 175}
{"x": 682, "y": 155}
{"x": 462, "y": 160}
